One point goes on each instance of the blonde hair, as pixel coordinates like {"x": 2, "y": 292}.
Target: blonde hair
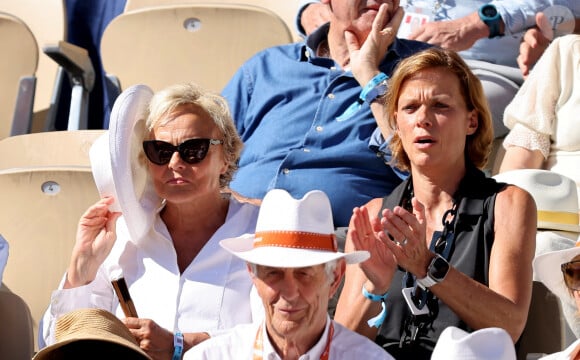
{"x": 478, "y": 144}
{"x": 169, "y": 99}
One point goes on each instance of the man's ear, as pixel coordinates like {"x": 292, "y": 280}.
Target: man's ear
{"x": 338, "y": 275}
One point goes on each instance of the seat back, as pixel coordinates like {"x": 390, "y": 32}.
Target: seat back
{"x": 202, "y": 43}
{"x": 545, "y": 331}
{"x": 286, "y": 9}
{"x": 47, "y": 21}
{"x": 16, "y": 334}
{"x": 47, "y": 180}
{"x": 17, "y": 72}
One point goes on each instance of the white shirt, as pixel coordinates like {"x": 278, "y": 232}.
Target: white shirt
{"x": 238, "y": 343}
{"x": 212, "y": 294}
{"x": 544, "y": 113}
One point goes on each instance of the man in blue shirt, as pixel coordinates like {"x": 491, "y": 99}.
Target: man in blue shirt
{"x": 486, "y": 32}
{"x": 290, "y": 107}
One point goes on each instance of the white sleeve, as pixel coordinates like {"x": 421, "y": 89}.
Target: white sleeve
{"x": 97, "y": 294}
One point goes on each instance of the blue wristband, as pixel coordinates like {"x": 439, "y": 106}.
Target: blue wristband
{"x": 374, "y": 87}
{"x": 378, "y": 320}
{"x": 177, "y": 346}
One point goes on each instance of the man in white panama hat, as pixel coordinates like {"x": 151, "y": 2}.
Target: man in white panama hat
{"x": 296, "y": 268}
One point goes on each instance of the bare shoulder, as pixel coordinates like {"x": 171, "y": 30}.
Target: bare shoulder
{"x": 514, "y": 199}
{"x": 515, "y": 218}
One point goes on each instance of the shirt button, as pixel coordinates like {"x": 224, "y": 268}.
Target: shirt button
{"x": 319, "y": 128}
{"x": 306, "y": 150}
{"x": 330, "y": 96}
{"x": 286, "y": 171}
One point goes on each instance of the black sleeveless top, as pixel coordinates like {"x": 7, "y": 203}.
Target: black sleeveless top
{"x": 474, "y": 235}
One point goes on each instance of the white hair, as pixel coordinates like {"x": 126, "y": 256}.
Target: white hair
{"x": 329, "y": 268}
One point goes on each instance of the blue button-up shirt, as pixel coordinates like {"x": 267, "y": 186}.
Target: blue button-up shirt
{"x": 285, "y": 102}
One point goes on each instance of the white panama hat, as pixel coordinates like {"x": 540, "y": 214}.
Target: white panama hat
{"x": 292, "y": 233}
{"x": 118, "y": 167}
{"x": 547, "y": 269}
{"x": 555, "y": 196}
{"x": 483, "y": 344}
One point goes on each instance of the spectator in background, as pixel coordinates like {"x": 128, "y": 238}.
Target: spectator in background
{"x": 491, "y": 48}
{"x": 303, "y": 118}
{"x": 543, "y": 116}
{"x": 559, "y": 270}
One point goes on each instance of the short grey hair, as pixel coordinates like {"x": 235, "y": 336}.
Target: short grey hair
{"x": 169, "y": 99}
{"x": 329, "y": 269}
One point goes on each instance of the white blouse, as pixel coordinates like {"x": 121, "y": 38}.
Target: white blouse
{"x": 545, "y": 113}
{"x": 212, "y": 294}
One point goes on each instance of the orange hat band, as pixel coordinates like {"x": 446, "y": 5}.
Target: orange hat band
{"x": 296, "y": 240}
{"x": 558, "y": 217}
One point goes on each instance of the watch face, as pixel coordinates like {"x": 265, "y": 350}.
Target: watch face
{"x": 489, "y": 11}
{"x": 439, "y": 269}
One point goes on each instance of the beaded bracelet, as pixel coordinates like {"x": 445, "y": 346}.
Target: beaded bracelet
{"x": 177, "y": 346}
{"x": 378, "y": 320}
{"x": 374, "y": 88}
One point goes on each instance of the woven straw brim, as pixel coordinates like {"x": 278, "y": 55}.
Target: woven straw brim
{"x": 93, "y": 333}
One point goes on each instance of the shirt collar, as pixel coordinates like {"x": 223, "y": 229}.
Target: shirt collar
{"x": 313, "y": 354}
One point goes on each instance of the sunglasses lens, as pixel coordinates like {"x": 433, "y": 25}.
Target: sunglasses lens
{"x": 571, "y": 272}
{"x": 158, "y": 152}
{"x": 191, "y": 151}
{"x": 194, "y": 150}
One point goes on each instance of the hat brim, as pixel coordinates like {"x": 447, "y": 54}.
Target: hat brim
{"x": 49, "y": 352}
{"x": 547, "y": 270}
{"x": 243, "y": 248}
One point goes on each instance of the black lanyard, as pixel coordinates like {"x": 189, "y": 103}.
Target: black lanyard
{"x": 441, "y": 243}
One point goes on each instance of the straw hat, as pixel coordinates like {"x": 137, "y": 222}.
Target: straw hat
{"x": 483, "y": 344}
{"x": 91, "y": 334}
{"x": 292, "y": 233}
{"x": 118, "y": 167}
{"x": 555, "y": 195}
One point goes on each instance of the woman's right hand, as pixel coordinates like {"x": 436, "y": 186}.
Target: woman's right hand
{"x": 96, "y": 234}
{"x": 364, "y": 236}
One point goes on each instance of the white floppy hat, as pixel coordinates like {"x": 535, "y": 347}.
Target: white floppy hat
{"x": 483, "y": 344}
{"x": 292, "y": 233}
{"x": 93, "y": 334}
{"x": 116, "y": 165}
{"x": 547, "y": 269}
{"x": 555, "y": 195}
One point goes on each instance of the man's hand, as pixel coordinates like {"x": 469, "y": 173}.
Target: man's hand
{"x": 456, "y": 35}
{"x": 534, "y": 43}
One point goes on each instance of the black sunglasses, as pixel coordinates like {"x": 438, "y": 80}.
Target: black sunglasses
{"x": 191, "y": 151}
{"x": 571, "y": 271}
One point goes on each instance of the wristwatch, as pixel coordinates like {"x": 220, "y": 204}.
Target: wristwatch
{"x": 376, "y": 92}
{"x": 490, "y": 16}
{"x": 436, "y": 272}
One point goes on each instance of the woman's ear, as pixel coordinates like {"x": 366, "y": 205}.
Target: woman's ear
{"x": 473, "y": 122}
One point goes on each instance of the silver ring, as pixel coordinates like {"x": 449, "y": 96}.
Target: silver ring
{"x": 403, "y": 242}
